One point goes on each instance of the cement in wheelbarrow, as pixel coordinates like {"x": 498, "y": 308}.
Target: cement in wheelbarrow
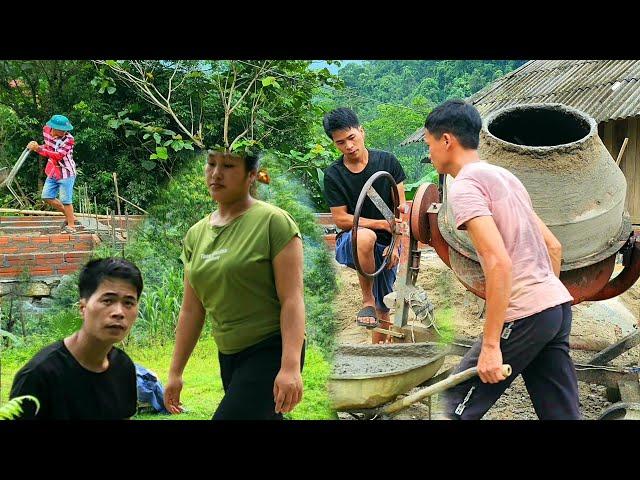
{"x": 366, "y": 376}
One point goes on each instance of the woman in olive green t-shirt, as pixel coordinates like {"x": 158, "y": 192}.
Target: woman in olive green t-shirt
{"x": 243, "y": 268}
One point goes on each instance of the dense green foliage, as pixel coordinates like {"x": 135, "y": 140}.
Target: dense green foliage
{"x": 156, "y": 249}
{"x": 393, "y": 99}
{"x": 157, "y": 246}
{"x": 118, "y": 129}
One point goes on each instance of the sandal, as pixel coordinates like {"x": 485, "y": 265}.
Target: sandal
{"x": 68, "y": 229}
{"x": 367, "y": 312}
{"x": 77, "y": 225}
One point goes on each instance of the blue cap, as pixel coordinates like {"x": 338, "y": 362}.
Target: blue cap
{"x": 60, "y": 122}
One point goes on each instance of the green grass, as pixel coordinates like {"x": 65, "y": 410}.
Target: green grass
{"x": 202, "y": 389}
{"x": 444, "y": 322}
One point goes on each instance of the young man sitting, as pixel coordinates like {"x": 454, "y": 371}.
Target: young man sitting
{"x": 343, "y": 181}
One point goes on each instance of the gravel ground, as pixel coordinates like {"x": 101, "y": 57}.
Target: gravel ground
{"x": 589, "y": 331}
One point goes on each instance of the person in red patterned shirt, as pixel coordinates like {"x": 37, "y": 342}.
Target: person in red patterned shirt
{"x": 60, "y": 168}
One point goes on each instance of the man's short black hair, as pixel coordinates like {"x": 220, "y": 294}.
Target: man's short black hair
{"x": 458, "y": 118}
{"x": 96, "y": 271}
{"x": 339, "y": 119}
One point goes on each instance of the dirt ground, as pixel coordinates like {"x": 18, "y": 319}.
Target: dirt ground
{"x": 595, "y": 326}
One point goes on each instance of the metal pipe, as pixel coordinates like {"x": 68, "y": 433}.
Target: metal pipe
{"x": 625, "y": 279}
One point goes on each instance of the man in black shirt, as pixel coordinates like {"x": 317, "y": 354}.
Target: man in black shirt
{"x": 84, "y": 377}
{"x": 343, "y": 181}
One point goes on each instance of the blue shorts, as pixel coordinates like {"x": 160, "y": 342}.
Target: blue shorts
{"x": 383, "y": 283}
{"x": 64, "y": 185}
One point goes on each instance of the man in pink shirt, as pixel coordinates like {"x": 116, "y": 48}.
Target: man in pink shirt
{"x": 60, "y": 168}
{"x": 528, "y": 309}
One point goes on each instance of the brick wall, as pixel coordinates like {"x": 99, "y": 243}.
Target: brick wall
{"x": 44, "y": 255}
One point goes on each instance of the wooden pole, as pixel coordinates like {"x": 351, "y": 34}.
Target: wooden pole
{"x": 126, "y": 223}
{"x": 85, "y": 199}
{"x": 95, "y": 211}
{"x": 115, "y": 181}
{"x": 437, "y": 388}
{"x": 622, "y": 149}
{"x": 126, "y": 226}
{"x": 134, "y": 205}
{"x": 113, "y": 229}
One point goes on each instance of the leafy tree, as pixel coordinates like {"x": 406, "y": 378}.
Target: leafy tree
{"x": 393, "y": 98}
{"x": 230, "y": 104}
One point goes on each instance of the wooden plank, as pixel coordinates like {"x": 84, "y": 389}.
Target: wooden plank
{"x": 619, "y": 133}
{"x": 622, "y": 149}
{"x": 632, "y": 170}
{"x": 622, "y": 135}
{"x": 625, "y": 166}
{"x": 601, "y": 131}
{"x": 608, "y": 137}
{"x": 388, "y": 332}
{"x": 617, "y": 349}
{"x": 46, "y": 213}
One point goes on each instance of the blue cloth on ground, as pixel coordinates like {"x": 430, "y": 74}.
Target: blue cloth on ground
{"x": 150, "y": 390}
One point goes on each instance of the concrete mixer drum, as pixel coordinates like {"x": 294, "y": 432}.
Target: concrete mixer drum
{"x": 575, "y": 186}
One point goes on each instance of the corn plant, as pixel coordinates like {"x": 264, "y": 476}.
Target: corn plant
{"x": 159, "y": 308}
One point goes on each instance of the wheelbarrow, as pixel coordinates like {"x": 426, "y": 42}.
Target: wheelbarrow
{"x": 367, "y": 379}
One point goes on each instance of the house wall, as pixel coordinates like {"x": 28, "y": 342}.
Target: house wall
{"x": 613, "y": 134}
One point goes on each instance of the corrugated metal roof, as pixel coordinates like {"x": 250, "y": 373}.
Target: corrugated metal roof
{"x": 582, "y": 84}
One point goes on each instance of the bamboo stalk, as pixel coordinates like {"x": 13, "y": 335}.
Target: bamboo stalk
{"x": 46, "y": 213}
{"x": 134, "y": 205}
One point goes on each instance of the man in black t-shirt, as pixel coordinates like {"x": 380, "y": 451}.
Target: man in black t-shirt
{"x": 343, "y": 181}
{"x": 84, "y": 377}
